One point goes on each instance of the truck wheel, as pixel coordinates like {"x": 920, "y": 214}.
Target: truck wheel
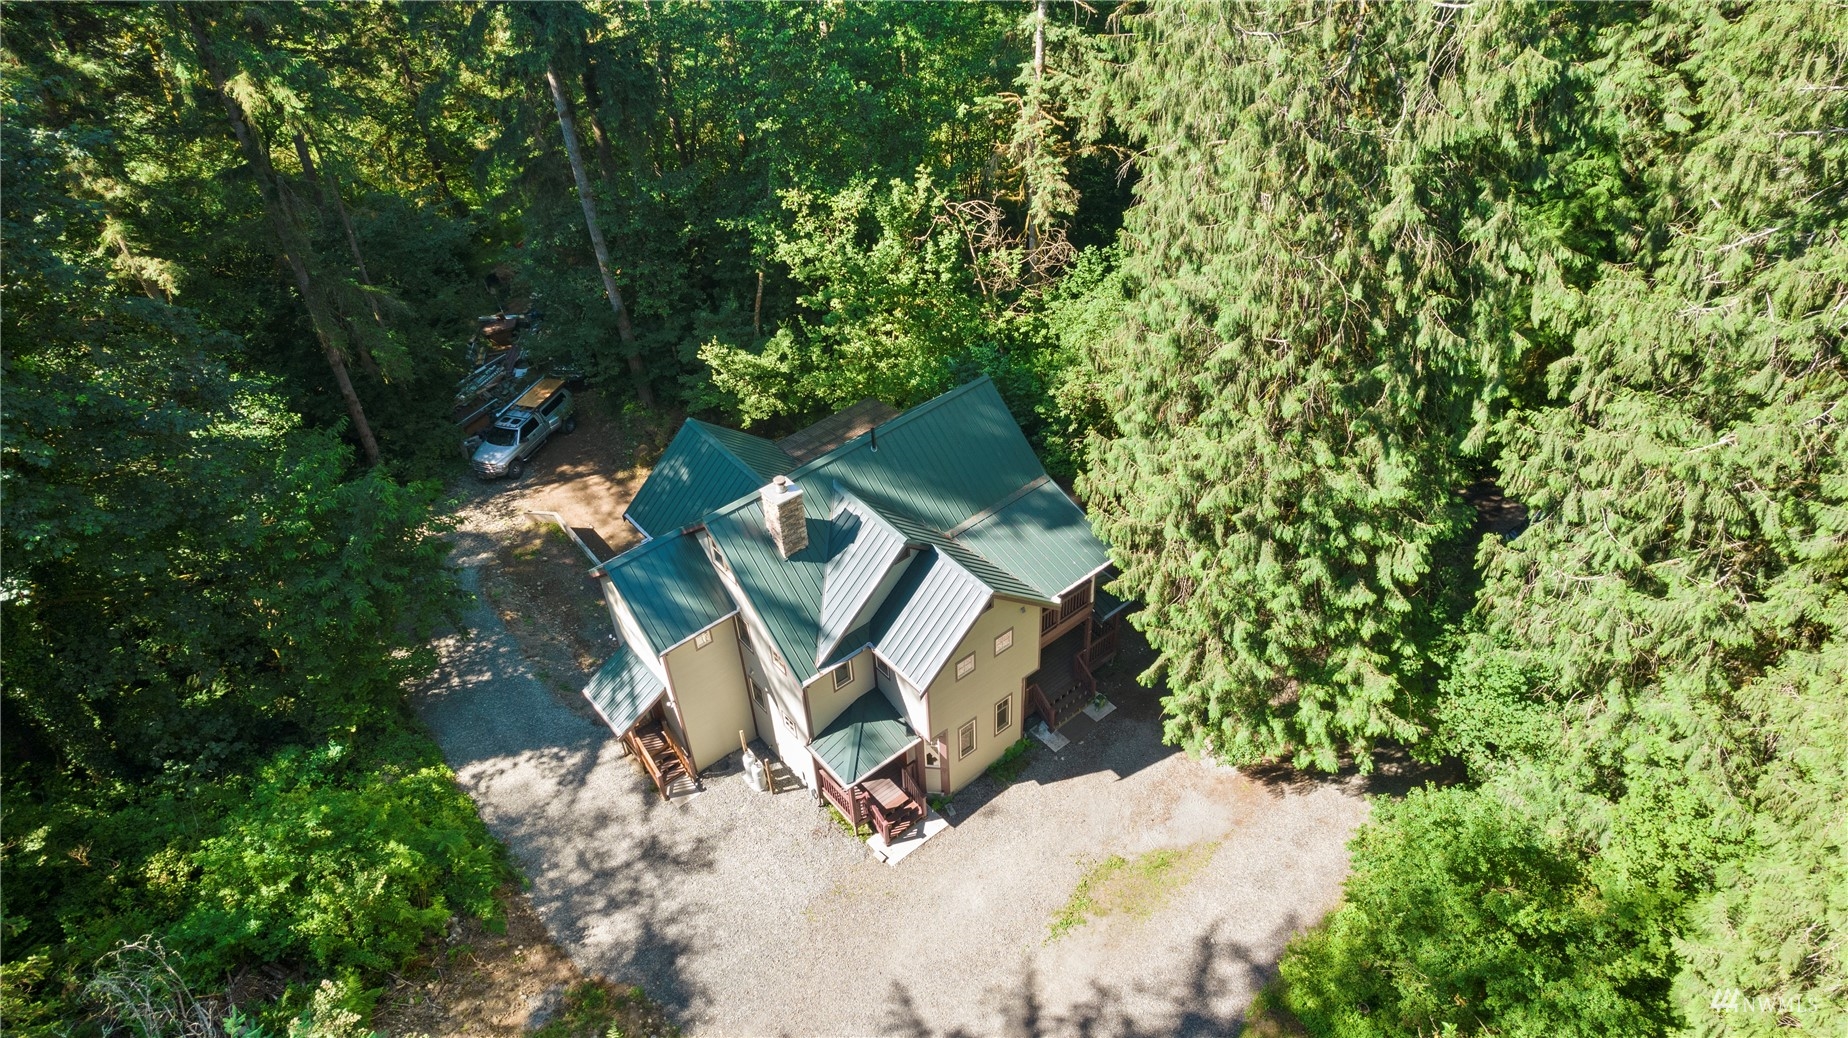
{"x": 570, "y": 424}
{"x": 516, "y": 469}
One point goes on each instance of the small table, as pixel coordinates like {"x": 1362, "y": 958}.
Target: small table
{"x": 886, "y": 793}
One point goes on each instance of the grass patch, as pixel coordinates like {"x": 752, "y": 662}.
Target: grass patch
{"x": 1132, "y": 886}
{"x": 847, "y": 827}
{"x": 1011, "y": 763}
{"x": 598, "y": 1008}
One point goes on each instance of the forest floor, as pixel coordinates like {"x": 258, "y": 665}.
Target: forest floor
{"x": 741, "y": 913}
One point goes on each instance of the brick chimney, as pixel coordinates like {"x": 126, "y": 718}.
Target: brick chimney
{"x": 784, "y": 516}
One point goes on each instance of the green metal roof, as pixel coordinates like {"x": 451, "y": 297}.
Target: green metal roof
{"x": 925, "y": 617}
{"x": 942, "y": 461}
{"x": 864, "y": 553}
{"x": 705, "y": 467}
{"x": 1043, "y": 537}
{"x": 669, "y": 586}
{"x": 866, "y": 735}
{"x": 785, "y": 593}
{"x": 954, "y": 475}
{"x": 623, "y": 689}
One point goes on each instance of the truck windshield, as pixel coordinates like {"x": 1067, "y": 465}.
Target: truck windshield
{"x": 500, "y": 437}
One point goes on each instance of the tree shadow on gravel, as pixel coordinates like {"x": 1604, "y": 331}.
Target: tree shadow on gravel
{"x": 1207, "y": 999}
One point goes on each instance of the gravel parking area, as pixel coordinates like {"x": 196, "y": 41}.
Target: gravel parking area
{"x": 750, "y": 914}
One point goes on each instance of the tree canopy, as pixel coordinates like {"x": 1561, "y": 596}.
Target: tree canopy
{"x": 1283, "y": 289}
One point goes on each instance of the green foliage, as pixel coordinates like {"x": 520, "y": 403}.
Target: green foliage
{"x": 346, "y": 871}
{"x": 599, "y": 1009}
{"x": 1012, "y": 762}
{"x": 895, "y": 306}
{"x": 1462, "y": 915}
{"x": 1295, "y": 382}
{"x": 343, "y": 858}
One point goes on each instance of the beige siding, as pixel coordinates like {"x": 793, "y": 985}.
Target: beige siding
{"x": 900, "y": 692}
{"x": 630, "y": 630}
{"x": 709, "y": 686}
{"x": 826, "y": 704}
{"x": 790, "y": 738}
{"x": 953, "y": 702}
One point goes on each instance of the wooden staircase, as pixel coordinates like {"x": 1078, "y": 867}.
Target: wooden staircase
{"x": 1063, "y": 684}
{"x": 663, "y": 759}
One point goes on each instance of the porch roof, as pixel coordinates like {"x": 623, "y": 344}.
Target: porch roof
{"x": 623, "y": 689}
{"x": 863, "y": 738}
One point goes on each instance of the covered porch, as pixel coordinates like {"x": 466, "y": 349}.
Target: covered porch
{"x": 869, "y": 770}
{"x": 632, "y": 700}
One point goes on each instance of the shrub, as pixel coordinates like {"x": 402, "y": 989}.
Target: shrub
{"x": 346, "y": 867}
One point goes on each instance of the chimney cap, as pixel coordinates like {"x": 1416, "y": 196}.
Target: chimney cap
{"x": 781, "y": 481}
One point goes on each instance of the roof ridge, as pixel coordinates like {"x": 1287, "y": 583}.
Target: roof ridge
{"x": 924, "y": 408}
{"x": 963, "y": 545}
{"x": 705, "y": 429}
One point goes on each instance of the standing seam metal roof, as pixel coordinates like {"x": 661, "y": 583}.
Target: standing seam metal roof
{"x": 704, "y": 467}
{"x": 865, "y": 735}
{"x": 785, "y": 593}
{"x": 942, "y": 461}
{"x": 926, "y": 616}
{"x": 623, "y": 689}
{"x": 866, "y": 549}
{"x": 1042, "y": 537}
{"x": 670, "y": 588}
{"x": 958, "y": 459}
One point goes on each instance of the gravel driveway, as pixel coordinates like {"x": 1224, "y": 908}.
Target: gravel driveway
{"x": 749, "y": 914}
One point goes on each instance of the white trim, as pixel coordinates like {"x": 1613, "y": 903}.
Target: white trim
{"x": 1086, "y": 579}
{"x": 646, "y": 536}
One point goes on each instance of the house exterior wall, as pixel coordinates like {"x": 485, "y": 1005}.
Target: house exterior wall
{"x": 789, "y": 737}
{"x": 908, "y": 699}
{"x": 826, "y": 704}
{"x": 953, "y": 703}
{"x": 708, "y": 683}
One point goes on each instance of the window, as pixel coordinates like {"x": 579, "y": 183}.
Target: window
{"x": 884, "y": 670}
{"x": 931, "y": 760}
{"x": 965, "y": 666}
{"x": 1004, "y": 641}
{"x": 843, "y": 674}
{"x": 965, "y": 739}
{"x": 1004, "y": 715}
{"x": 702, "y": 639}
{"x": 744, "y": 639}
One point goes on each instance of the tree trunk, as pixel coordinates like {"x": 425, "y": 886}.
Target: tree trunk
{"x": 631, "y": 352}
{"x": 757, "y": 308}
{"x": 287, "y": 238}
{"x": 593, "y": 99}
{"x": 359, "y": 264}
{"x": 1039, "y": 74}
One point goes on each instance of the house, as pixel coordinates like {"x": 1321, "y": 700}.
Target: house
{"x": 884, "y": 599}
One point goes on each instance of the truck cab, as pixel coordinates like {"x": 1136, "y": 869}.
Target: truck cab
{"x": 522, "y": 427}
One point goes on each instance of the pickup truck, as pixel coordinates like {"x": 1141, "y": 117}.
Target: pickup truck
{"x": 522, "y": 427}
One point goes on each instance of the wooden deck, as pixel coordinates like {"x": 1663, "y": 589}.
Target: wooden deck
{"x": 831, "y": 432}
{"x": 890, "y": 800}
